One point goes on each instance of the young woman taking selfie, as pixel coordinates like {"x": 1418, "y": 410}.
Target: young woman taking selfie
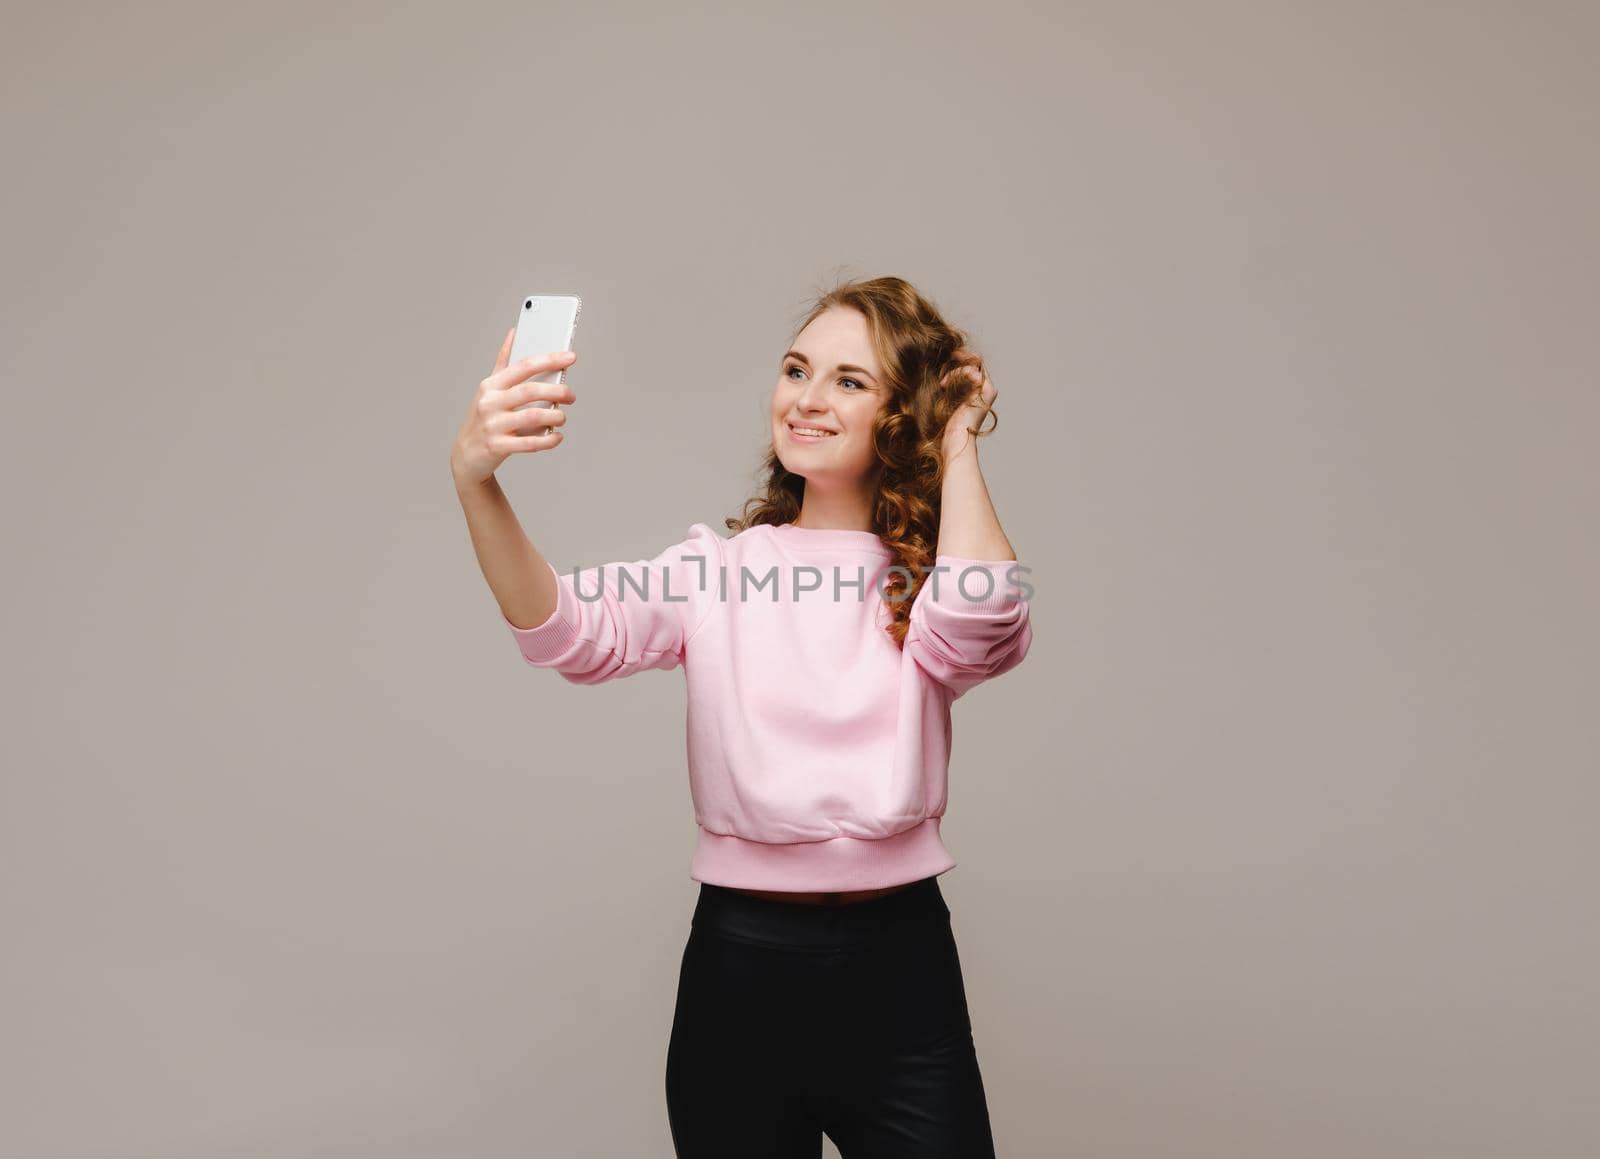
{"x": 866, "y": 588}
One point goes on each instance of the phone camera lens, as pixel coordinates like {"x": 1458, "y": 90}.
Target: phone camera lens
{"x": 528, "y": 305}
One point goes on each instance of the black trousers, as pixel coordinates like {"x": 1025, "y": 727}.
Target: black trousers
{"x": 795, "y": 1020}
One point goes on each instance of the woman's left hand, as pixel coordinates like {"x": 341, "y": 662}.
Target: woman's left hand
{"x": 959, "y": 432}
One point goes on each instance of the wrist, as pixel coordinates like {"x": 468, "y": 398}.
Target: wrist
{"x": 961, "y": 444}
{"x": 465, "y": 481}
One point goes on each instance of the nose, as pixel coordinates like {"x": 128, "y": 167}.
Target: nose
{"x": 812, "y": 396}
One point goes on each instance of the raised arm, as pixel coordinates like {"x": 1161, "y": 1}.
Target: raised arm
{"x": 497, "y": 426}
{"x": 521, "y": 579}
{"x": 969, "y": 621}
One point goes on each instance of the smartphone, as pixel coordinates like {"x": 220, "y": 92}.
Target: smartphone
{"x": 546, "y": 324}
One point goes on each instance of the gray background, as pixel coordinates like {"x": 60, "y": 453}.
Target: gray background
{"x": 1280, "y": 842}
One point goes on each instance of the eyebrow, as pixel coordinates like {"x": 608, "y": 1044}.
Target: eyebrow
{"x": 846, "y": 367}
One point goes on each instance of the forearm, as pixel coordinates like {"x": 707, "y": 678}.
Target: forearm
{"x": 968, "y": 525}
{"x": 520, "y": 578}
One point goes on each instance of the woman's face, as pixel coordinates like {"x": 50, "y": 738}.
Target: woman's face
{"x": 829, "y": 379}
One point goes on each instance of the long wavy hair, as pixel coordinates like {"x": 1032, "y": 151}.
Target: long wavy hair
{"x": 922, "y": 356}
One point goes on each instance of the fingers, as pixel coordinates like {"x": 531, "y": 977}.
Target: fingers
{"x": 966, "y": 359}
{"x": 983, "y": 391}
{"x": 505, "y": 350}
{"x": 533, "y": 419}
{"x": 967, "y": 366}
{"x": 515, "y": 444}
{"x": 987, "y": 390}
{"x": 525, "y": 392}
{"x": 522, "y": 368}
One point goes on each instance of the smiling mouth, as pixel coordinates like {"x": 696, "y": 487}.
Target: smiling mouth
{"x": 810, "y": 434}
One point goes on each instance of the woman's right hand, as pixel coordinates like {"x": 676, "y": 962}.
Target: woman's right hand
{"x": 495, "y": 430}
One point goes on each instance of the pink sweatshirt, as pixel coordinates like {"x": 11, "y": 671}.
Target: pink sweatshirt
{"x": 818, "y": 749}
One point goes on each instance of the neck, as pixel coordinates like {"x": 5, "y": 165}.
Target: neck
{"x": 838, "y": 512}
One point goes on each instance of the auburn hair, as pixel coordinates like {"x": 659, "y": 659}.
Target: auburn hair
{"x": 922, "y": 356}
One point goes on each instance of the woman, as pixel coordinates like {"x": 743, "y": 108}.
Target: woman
{"x": 864, "y": 591}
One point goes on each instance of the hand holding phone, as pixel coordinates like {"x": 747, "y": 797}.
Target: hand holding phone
{"x": 546, "y": 325}
{"x": 498, "y": 424}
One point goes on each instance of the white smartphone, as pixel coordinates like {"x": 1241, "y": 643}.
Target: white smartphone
{"x": 546, "y": 323}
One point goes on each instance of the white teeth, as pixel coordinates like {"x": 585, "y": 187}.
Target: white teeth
{"x": 813, "y": 432}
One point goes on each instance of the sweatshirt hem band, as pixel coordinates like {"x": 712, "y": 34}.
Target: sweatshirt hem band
{"x": 841, "y": 863}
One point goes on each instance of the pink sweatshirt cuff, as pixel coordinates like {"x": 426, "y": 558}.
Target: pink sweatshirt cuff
{"x": 975, "y": 627}
{"x": 975, "y": 586}
{"x": 553, "y": 638}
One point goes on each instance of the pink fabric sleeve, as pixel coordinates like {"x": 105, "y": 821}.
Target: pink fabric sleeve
{"x": 961, "y": 641}
{"x": 640, "y": 618}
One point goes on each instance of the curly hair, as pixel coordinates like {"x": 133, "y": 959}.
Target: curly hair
{"x": 922, "y": 356}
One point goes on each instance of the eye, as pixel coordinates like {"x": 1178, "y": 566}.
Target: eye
{"x": 794, "y": 367}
